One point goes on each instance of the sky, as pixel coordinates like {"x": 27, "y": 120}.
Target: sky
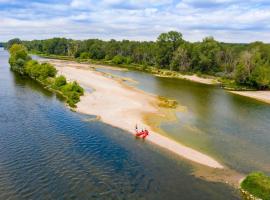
{"x": 225, "y": 20}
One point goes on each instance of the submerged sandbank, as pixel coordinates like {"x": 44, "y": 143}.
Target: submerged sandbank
{"x": 123, "y": 106}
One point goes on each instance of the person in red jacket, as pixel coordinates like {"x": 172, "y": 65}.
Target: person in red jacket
{"x": 146, "y": 133}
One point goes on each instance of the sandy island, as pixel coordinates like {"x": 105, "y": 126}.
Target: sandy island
{"x": 123, "y": 106}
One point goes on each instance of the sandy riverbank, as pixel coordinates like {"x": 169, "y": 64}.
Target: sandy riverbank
{"x": 193, "y": 78}
{"x": 123, "y": 106}
{"x": 263, "y": 96}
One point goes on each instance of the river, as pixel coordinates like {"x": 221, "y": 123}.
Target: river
{"x": 233, "y": 129}
{"x": 50, "y": 152}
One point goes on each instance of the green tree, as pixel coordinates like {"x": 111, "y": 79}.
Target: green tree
{"x": 241, "y": 74}
{"x": 261, "y": 77}
{"x": 180, "y": 60}
{"x": 18, "y": 57}
{"x": 206, "y": 55}
{"x": 167, "y": 43}
{"x": 12, "y": 42}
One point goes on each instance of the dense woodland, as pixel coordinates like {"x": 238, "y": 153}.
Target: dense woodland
{"x": 245, "y": 64}
{"x": 43, "y": 73}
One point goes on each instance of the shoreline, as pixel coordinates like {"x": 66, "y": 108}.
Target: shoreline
{"x": 151, "y": 70}
{"x": 123, "y": 106}
{"x": 194, "y": 78}
{"x": 263, "y": 96}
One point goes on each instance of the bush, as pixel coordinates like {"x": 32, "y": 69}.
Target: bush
{"x": 107, "y": 57}
{"x": 73, "y": 92}
{"x": 40, "y": 72}
{"x": 129, "y": 60}
{"x": 29, "y": 66}
{"x": 59, "y": 82}
{"x": 118, "y": 59}
{"x": 47, "y": 70}
{"x": 84, "y": 55}
{"x": 257, "y": 184}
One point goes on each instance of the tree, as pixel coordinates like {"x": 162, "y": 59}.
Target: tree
{"x": 181, "y": 60}
{"x": 13, "y": 41}
{"x": 236, "y": 61}
{"x": 241, "y": 74}
{"x": 261, "y": 77}
{"x": 206, "y": 55}
{"x": 226, "y": 60}
{"x": 18, "y": 57}
{"x": 167, "y": 43}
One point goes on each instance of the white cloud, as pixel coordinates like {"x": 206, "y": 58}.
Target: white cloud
{"x": 226, "y": 20}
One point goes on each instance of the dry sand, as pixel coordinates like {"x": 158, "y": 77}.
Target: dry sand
{"x": 195, "y": 78}
{"x": 123, "y": 106}
{"x": 258, "y": 95}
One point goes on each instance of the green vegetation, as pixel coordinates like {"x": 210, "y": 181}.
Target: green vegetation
{"x": 44, "y": 73}
{"x": 240, "y": 65}
{"x": 167, "y": 103}
{"x": 257, "y": 184}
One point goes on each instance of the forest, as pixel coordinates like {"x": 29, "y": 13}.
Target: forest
{"x": 243, "y": 64}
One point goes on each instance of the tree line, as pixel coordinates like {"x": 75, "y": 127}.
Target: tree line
{"x": 244, "y": 64}
{"x": 43, "y": 73}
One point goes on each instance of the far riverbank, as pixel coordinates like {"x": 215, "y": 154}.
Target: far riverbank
{"x": 263, "y": 96}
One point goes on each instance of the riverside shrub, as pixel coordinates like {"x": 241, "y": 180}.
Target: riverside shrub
{"x": 44, "y": 73}
{"x": 257, "y": 184}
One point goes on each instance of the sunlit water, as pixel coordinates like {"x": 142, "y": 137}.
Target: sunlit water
{"x": 49, "y": 152}
{"x": 233, "y": 129}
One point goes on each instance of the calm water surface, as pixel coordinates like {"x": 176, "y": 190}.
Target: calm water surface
{"x": 233, "y": 129}
{"x": 49, "y": 152}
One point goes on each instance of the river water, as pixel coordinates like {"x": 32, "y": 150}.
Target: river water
{"x": 233, "y": 129}
{"x": 50, "y": 152}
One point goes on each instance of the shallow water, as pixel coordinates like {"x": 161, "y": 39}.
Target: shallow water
{"x": 231, "y": 128}
{"x": 49, "y": 152}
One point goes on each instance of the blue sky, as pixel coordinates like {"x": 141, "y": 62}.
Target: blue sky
{"x": 226, "y": 20}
